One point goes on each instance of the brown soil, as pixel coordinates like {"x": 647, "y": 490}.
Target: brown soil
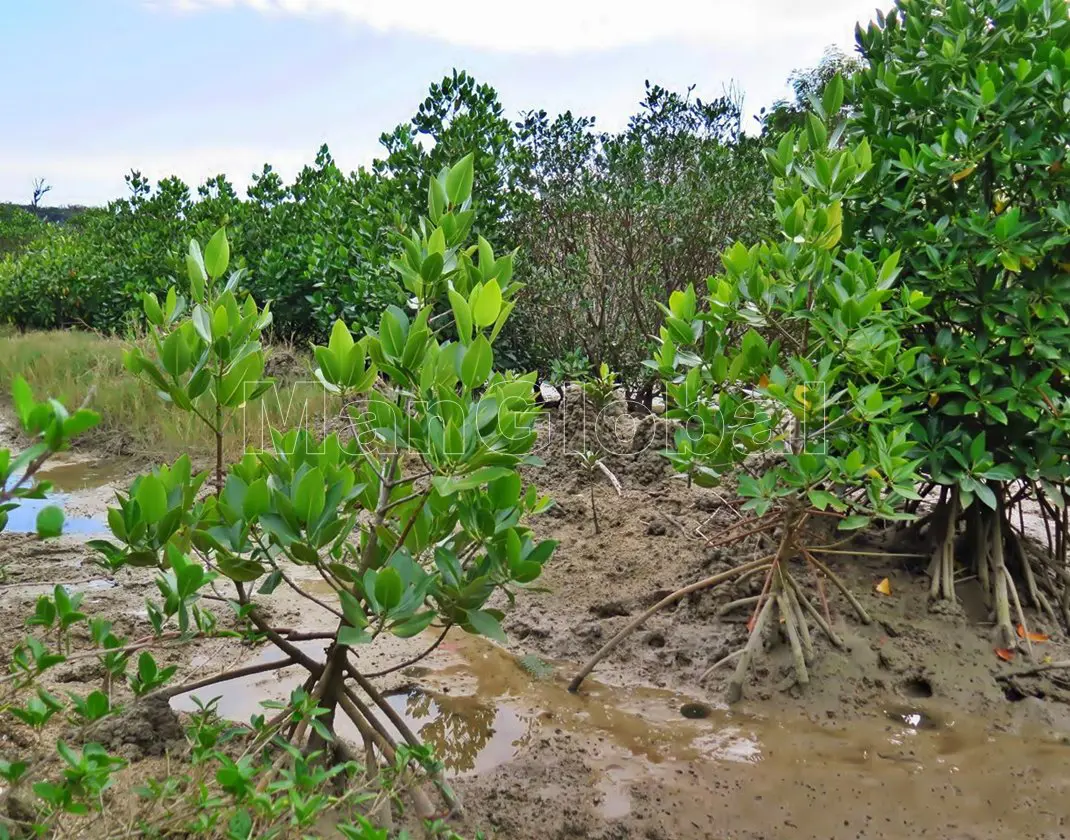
{"x": 908, "y": 734}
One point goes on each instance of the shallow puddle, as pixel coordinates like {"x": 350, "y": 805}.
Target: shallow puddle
{"x": 23, "y": 519}
{"x": 469, "y": 734}
{"x": 480, "y": 708}
{"x": 67, "y": 478}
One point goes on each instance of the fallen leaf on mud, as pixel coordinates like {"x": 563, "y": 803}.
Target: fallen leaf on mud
{"x": 1033, "y": 637}
{"x": 884, "y": 587}
{"x": 1005, "y": 655}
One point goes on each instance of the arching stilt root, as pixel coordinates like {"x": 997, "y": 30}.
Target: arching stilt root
{"x": 785, "y": 598}
{"x": 995, "y": 551}
{"x": 781, "y": 595}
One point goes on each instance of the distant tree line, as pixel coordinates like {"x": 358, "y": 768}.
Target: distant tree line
{"x": 605, "y": 223}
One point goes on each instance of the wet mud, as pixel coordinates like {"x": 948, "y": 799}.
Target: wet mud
{"x": 915, "y": 731}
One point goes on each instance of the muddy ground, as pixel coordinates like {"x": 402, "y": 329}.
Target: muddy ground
{"x": 910, "y": 733}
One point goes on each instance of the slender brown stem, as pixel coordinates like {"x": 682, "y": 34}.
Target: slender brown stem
{"x": 594, "y": 509}
{"x": 413, "y": 660}
{"x": 226, "y": 676}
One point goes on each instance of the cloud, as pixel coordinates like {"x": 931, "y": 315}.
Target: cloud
{"x": 569, "y": 26}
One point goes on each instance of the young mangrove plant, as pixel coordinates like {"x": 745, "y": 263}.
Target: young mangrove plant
{"x": 412, "y": 524}
{"x": 789, "y": 365}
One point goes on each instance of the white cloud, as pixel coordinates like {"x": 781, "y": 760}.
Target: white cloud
{"x": 565, "y": 26}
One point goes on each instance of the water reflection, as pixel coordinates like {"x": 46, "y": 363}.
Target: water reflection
{"x": 467, "y": 735}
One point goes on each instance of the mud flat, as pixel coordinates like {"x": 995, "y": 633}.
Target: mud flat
{"x": 919, "y": 729}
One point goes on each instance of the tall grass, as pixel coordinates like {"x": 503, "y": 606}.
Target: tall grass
{"x": 72, "y": 365}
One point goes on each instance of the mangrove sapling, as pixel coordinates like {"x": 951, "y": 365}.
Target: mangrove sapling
{"x": 592, "y": 465}
{"x": 211, "y": 362}
{"x": 600, "y": 390}
{"x": 809, "y": 418}
{"x": 413, "y": 523}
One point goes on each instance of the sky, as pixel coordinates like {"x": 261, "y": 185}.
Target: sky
{"x": 95, "y": 88}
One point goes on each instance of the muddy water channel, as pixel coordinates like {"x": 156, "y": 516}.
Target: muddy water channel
{"x": 627, "y": 760}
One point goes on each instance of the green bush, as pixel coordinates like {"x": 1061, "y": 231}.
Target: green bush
{"x": 610, "y": 224}
{"x": 18, "y": 228}
{"x": 964, "y": 105}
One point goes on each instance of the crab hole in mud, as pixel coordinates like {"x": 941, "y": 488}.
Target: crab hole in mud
{"x": 1014, "y": 694}
{"x": 696, "y": 711}
{"x": 918, "y": 688}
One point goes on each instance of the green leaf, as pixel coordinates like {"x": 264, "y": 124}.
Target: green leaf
{"x": 389, "y": 588}
{"x": 341, "y": 341}
{"x": 22, "y": 397}
{"x": 50, "y": 522}
{"x": 484, "y": 624}
{"x": 220, "y": 322}
{"x": 257, "y": 499}
{"x": 487, "y": 304}
{"x": 239, "y": 569}
{"x": 476, "y": 363}
{"x": 310, "y": 495}
{"x": 832, "y": 98}
{"x": 202, "y": 323}
{"x": 217, "y": 254}
{"x": 391, "y": 334}
{"x": 853, "y": 523}
{"x": 351, "y": 609}
{"x": 448, "y": 485}
{"x": 350, "y": 636}
{"x": 985, "y": 494}
{"x": 152, "y": 308}
{"x": 462, "y": 316}
{"x": 175, "y": 354}
{"x": 459, "y": 180}
{"x": 413, "y": 626}
{"x": 151, "y": 496}
{"x": 79, "y": 422}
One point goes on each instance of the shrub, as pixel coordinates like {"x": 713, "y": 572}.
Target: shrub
{"x": 963, "y": 104}
{"x": 18, "y": 228}
{"x": 814, "y": 413}
{"x": 612, "y": 223}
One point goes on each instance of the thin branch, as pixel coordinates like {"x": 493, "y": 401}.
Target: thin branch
{"x": 414, "y": 659}
{"x": 226, "y": 676}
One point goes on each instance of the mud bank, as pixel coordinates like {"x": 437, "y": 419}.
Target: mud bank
{"x": 919, "y": 729}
